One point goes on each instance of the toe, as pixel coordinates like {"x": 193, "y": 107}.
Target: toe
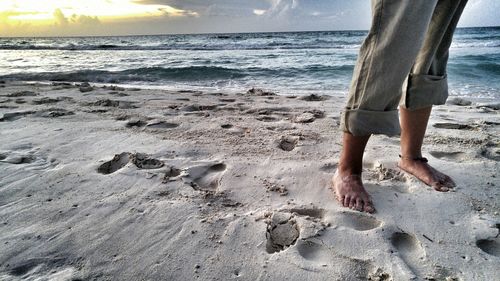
{"x": 352, "y": 204}
{"x": 439, "y": 187}
{"x": 359, "y": 204}
{"x": 369, "y": 207}
{"x": 346, "y": 202}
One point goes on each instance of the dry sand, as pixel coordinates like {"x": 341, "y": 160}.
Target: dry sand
{"x": 128, "y": 184}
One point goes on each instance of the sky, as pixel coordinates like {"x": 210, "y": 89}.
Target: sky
{"x": 136, "y": 17}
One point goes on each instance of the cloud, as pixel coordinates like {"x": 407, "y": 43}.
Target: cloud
{"x": 59, "y": 17}
{"x": 205, "y": 16}
{"x": 85, "y": 20}
{"x": 259, "y": 12}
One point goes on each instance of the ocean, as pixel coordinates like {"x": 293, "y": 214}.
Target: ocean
{"x": 284, "y": 62}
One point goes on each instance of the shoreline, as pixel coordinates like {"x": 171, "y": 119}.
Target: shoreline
{"x": 114, "y": 183}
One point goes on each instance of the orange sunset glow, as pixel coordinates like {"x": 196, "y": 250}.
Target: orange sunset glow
{"x": 21, "y": 16}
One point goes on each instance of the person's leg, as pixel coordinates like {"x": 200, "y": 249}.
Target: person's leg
{"x": 427, "y": 85}
{"x": 347, "y": 181}
{"x": 385, "y": 59}
{"x": 413, "y": 125}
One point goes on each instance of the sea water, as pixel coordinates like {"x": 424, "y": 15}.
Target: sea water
{"x": 284, "y": 62}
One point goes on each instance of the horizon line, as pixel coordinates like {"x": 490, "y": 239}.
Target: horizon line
{"x": 215, "y": 33}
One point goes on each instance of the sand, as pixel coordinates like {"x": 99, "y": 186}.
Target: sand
{"x": 112, "y": 183}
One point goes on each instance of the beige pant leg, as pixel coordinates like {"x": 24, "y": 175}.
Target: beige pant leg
{"x": 427, "y": 83}
{"x": 384, "y": 62}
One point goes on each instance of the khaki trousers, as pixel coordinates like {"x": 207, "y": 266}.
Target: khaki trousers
{"x": 402, "y": 61}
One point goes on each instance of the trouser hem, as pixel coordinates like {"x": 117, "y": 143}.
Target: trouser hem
{"x": 365, "y": 122}
{"x": 424, "y": 90}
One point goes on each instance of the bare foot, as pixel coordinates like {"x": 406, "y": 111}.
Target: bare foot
{"x": 427, "y": 174}
{"x": 350, "y": 192}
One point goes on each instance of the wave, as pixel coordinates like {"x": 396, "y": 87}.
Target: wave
{"x": 145, "y": 74}
{"x": 183, "y": 74}
{"x": 183, "y": 47}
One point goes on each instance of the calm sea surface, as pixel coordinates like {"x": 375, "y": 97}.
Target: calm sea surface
{"x": 287, "y": 63}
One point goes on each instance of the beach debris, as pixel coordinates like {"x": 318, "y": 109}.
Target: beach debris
{"x": 459, "y": 101}
{"x": 305, "y": 117}
{"x": 314, "y": 97}
{"x": 113, "y": 88}
{"x": 85, "y": 87}
{"x": 259, "y": 92}
{"x": 274, "y": 187}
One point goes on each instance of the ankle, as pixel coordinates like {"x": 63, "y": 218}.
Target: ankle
{"x": 346, "y": 170}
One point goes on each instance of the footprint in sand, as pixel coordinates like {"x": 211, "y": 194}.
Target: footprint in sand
{"x": 453, "y": 156}
{"x": 226, "y": 126}
{"x": 54, "y": 112}
{"x": 282, "y": 232}
{"x": 491, "y": 245}
{"x": 286, "y": 226}
{"x": 22, "y": 94}
{"x": 227, "y": 100}
{"x": 204, "y": 177}
{"x": 158, "y": 124}
{"x": 45, "y": 268}
{"x": 119, "y": 161}
{"x": 357, "y": 221}
{"x": 135, "y": 123}
{"x": 328, "y": 167}
{"x": 288, "y": 143}
{"x": 309, "y": 212}
{"x": 141, "y": 161}
{"x": 11, "y": 116}
{"x": 16, "y": 158}
{"x": 267, "y": 118}
{"x": 409, "y": 249}
{"x": 490, "y": 153}
{"x": 313, "y": 251}
{"x": 454, "y": 126}
{"x": 197, "y": 107}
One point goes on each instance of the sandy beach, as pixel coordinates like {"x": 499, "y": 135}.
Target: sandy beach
{"x": 100, "y": 182}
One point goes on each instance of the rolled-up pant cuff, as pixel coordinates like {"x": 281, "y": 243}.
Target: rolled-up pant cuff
{"x": 365, "y": 122}
{"x": 424, "y": 91}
